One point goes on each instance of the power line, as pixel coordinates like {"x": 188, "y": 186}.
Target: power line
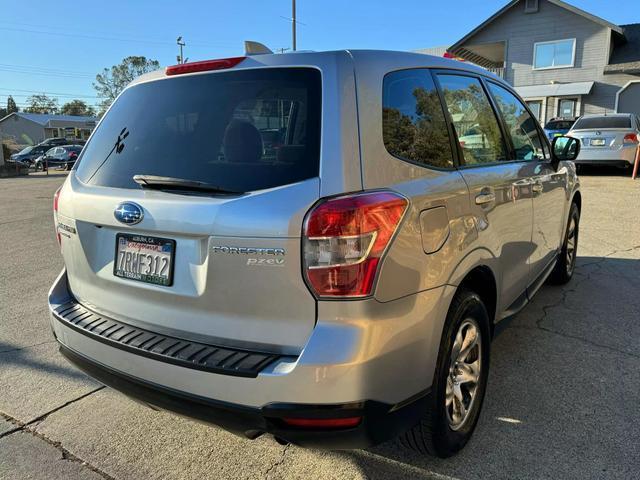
{"x": 99, "y": 37}
{"x": 47, "y": 69}
{"x": 46, "y": 93}
{"x": 138, "y": 39}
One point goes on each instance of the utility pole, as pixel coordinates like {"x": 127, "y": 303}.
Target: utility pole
{"x": 181, "y": 44}
{"x": 293, "y": 23}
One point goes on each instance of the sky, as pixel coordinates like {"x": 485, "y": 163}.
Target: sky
{"x": 57, "y": 47}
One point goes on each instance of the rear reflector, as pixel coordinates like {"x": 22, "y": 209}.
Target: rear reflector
{"x": 347, "y": 422}
{"x": 204, "y": 66}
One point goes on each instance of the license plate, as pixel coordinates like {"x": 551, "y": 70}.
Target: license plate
{"x": 597, "y": 142}
{"x": 145, "y": 259}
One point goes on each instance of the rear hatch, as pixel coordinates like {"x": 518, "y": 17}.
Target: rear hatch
{"x": 602, "y": 133}
{"x": 205, "y": 243}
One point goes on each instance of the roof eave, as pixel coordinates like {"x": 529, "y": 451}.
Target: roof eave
{"x": 615, "y": 28}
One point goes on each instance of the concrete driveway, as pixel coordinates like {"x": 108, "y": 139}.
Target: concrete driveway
{"x": 562, "y": 401}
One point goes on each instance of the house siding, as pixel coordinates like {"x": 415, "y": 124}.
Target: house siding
{"x": 593, "y": 49}
{"x": 21, "y": 130}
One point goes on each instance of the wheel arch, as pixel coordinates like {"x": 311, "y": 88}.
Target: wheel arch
{"x": 478, "y": 272}
{"x": 577, "y": 199}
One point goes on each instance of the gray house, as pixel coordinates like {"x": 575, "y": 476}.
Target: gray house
{"x": 562, "y": 60}
{"x": 31, "y": 128}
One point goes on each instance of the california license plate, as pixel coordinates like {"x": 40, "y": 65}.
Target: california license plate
{"x": 145, "y": 259}
{"x": 597, "y": 142}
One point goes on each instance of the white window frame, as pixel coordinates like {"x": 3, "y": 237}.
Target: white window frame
{"x": 554, "y": 67}
{"x": 577, "y": 106}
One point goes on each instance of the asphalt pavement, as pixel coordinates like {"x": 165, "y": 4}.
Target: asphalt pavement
{"x": 562, "y": 401}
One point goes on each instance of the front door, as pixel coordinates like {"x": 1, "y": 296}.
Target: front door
{"x": 500, "y": 188}
{"x": 548, "y": 186}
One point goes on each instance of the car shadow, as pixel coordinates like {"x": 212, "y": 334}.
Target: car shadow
{"x": 21, "y": 358}
{"x": 549, "y": 388}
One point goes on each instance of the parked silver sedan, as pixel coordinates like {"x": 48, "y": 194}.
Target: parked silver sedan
{"x": 607, "y": 139}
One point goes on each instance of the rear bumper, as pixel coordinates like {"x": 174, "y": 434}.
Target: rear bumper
{"x": 379, "y": 423}
{"x": 355, "y": 364}
{"x": 624, "y": 156}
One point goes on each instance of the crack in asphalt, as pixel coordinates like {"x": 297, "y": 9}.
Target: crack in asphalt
{"x": 28, "y": 427}
{"x": 278, "y": 462}
{"x": 565, "y": 294}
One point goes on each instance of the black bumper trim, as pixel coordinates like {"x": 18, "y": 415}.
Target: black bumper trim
{"x": 198, "y": 356}
{"x": 380, "y": 421}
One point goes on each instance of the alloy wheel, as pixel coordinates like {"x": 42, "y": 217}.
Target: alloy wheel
{"x": 464, "y": 373}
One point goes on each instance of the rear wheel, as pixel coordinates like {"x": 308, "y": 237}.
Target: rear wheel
{"x": 566, "y": 263}
{"x": 459, "y": 383}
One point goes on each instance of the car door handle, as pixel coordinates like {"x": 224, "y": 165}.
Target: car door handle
{"x": 484, "y": 198}
{"x": 537, "y": 186}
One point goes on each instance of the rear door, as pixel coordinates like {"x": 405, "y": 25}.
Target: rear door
{"x": 548, "y": 185}
{"x": 499, "y": 187}
{"x": 220, "y": 266}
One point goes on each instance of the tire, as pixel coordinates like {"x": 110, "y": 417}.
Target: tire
{"x": 566, "y": 263}
{"x": 439, "y": 433}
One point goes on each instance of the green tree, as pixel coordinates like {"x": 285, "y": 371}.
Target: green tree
{"x": 11, "y": 105}
{"x": 113, "y": 80}
{"x": 77, "y": 107}
{"x": 41, "y": 103}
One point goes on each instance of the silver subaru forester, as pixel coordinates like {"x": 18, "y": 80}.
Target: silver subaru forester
{"x": 318, "y": 246}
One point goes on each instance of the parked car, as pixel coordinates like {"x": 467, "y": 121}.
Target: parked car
{"x": 610, "y": 139}
{"x": 63, "y": 157}
{"x": 339, "y": 295}
{"x": 558, "y": 126}
{"x": 58, "y": 141}
{"x": 28, "y": 154}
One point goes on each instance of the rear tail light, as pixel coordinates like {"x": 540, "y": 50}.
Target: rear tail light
{"x": 323, "y": 423}
{"x": 344, "y": 240}
{"x": 203, "y": 66}
{"x": 630, "y": 138}
{"x": 56, "y": 198}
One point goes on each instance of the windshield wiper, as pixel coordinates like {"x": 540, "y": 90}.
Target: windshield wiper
{"x": 173, "y": 183}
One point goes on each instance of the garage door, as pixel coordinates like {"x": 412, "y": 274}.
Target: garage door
{"x": 629, "y": 99}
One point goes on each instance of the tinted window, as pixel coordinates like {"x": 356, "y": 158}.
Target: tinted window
{"x": 559, "y": 125}
{"x": 238, "y": 130}
{"x": 473, "y": 119}
{"x": 602, "y": 122}
{"x": 25, "y": 150}
{"x": 413, "y": 123}
{"x": 521, "y": 126}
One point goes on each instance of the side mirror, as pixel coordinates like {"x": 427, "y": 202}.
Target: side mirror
{"x": 564, "y": 148}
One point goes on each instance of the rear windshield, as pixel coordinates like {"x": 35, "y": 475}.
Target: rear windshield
{"x": 559, "y": 125}
{"x": 240, "y": 131}
{"x": 587, "y": 123}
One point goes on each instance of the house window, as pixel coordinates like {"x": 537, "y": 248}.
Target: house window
{"x": 556, "y": 54}
{"x": 530, "y": 6}
{"x": 536, "y": 108}
{"x": 567, "y": 107}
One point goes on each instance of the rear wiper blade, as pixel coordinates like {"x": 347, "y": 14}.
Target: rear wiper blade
{"x": 173, "y": 183}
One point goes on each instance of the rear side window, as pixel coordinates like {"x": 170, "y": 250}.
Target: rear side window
{"x": 413, "y": 122}
{"x": 238, "y": 130}
{"x": 526, "y": 140}
{"x": 587, "y": 123}
{"x": 559, "y": 125}
{"x": 473, "y": 119}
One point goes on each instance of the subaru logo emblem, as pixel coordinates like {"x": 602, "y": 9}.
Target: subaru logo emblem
{"x": 129, "y": 213}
